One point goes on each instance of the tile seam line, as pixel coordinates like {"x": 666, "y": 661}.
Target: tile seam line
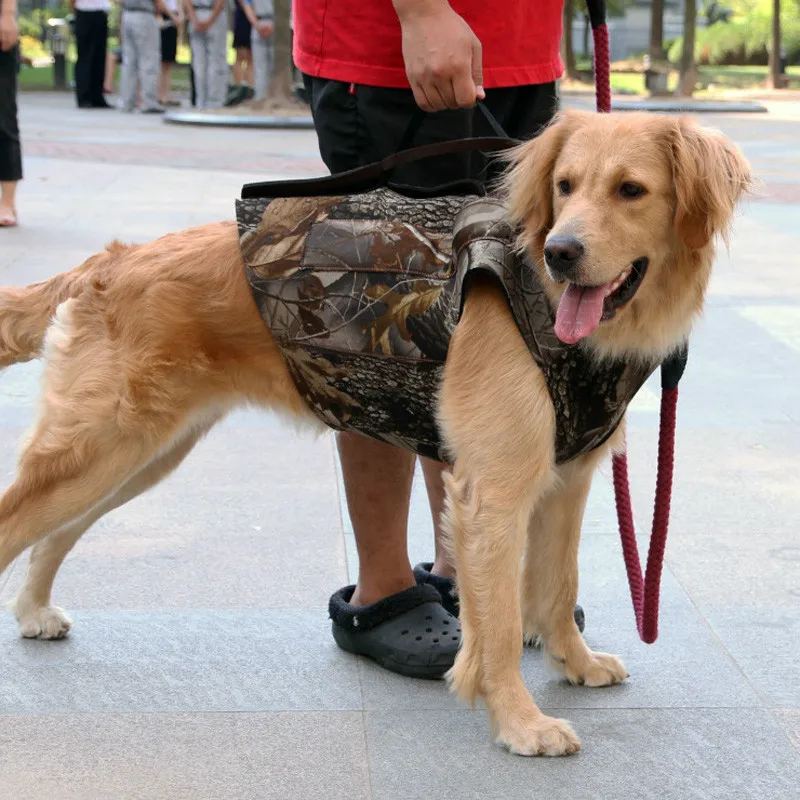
{"x": 763, "y": 698}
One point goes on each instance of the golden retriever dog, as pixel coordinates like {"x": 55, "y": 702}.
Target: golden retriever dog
{"x": 148, "y": 346}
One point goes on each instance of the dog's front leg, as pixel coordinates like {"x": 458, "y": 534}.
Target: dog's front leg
{"x": 498, "y": 421}
{"x": 550, "y": 579}
{"x": 488, "y": 529}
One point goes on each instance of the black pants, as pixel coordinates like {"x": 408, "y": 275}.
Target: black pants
{"x": 10, "y": 152}
{"x": 358, "y": 125}
{"x": 91, "y": 33}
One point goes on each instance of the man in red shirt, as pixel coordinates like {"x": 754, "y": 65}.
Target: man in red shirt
{"x": 367, "y": 66}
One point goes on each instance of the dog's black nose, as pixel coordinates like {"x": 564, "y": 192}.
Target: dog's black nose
{"x": 562, "y": 254}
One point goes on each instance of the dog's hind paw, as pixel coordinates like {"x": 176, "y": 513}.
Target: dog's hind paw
{"x": 48, "y": 622}
{"x": 600, "y": 669}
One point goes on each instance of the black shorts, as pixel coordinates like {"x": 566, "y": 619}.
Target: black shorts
{"x": 241, "y": 30}
{"x": 169, "y": 44}
{"x": 359, "y": 125}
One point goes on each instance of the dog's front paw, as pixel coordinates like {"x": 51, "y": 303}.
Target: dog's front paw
{"x": 598, "y": 669}
{"x": 542, "y": 736}
{"x": 48, "y": 622}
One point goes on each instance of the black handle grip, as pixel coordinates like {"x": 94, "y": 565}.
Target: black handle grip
{"x": 672, "y": 368}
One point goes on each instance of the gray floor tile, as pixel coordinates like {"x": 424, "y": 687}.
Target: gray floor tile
{"x": 738, "y": 568}
{"x": 739, "y": 482}
{"x": 722, "y": 393}
{"x": 789, "y": 720}
{"x": 178, "y": 662}
{"x": 183, "y": 757}
{"x": 675, "y": 754}
{"x": 766, "y": 645}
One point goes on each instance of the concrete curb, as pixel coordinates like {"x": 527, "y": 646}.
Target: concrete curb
{"x": 180, "y": 117}
{"x": 690, "y": 106}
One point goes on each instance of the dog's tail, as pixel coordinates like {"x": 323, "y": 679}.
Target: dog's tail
{"x": 25, "y": 313}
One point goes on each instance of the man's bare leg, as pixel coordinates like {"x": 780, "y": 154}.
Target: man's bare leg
{"x": 377, "y": 479}
{"x": 388, "y": 616}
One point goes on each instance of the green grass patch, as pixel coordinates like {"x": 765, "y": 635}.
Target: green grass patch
{"x": 720, "y": 78}
{"x": 43, "y": 79}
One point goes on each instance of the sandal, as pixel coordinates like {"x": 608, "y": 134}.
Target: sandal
{"x": 447, "y": 589}
{"x": 408, "y": 633}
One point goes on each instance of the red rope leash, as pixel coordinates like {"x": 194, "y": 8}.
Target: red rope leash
{"x": 644, "y": 589}
{"x": 602, "y": 68}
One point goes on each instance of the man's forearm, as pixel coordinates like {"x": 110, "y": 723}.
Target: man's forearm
{"x": 8, "y": 8}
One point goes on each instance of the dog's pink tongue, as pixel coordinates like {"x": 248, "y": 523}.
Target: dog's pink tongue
{"x": 579, "y": 312}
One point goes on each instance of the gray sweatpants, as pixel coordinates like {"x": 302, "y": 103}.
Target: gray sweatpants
{"x": 141, "y": 58}
{"x": 210, "y": 61}
{"x": 262, "y": 52}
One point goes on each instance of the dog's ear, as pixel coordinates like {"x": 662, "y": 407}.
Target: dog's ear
{"x": 528, "y": 183}
{"x": 710, "y": 175}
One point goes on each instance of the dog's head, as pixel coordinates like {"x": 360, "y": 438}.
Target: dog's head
{"x": 620, "y": 212}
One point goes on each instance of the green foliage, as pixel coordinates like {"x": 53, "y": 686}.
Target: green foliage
{"x": 30, "y": 25}
{"x": 32, "y": 22}
{"x": 746, "y": 38}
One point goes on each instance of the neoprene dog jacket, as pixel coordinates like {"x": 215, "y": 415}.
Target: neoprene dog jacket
{"x": 363, "y": 293}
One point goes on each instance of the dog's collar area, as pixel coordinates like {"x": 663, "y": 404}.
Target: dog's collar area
{"x": 626, "y": 290}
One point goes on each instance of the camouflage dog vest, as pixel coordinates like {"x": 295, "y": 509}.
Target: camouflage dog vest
{"x": 363, "y": 293}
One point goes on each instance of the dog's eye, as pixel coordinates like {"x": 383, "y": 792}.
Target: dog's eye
{"x": 630, "y": 191}
{"x": 564, "y": 187}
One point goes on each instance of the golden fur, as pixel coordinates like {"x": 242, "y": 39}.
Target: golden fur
{"x": 148, "y": 346}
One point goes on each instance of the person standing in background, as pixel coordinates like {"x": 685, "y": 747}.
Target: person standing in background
{"x": 208, "y": 37}
{"x": 170, "y": 22}
{"x": 243, "y": 66}
{"x": 261, "y": 14}
{"x": 91, "y": 34}
{"x": 10, "y": 151}
{"x": 141, "y": 54}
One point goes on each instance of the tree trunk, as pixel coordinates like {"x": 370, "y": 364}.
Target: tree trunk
{"x": 688, "y": 75}
{"x": 587, "y": 27}
{"x": 656, "y": 50}
{"x": 569, "y": 49}
{"x": 280, "y": 84}
{"x": 775, "y": 78}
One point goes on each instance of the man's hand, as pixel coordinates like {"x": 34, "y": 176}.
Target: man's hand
{"x": 9, "y": 31}
{"x": 265, "y": 29}
{"x": 442, "y": 55}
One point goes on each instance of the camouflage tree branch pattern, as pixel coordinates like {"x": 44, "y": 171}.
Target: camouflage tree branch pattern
{"x": 363, "y": 293}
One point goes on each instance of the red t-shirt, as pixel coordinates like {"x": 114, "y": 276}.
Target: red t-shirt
{"x": 359, "y": 41}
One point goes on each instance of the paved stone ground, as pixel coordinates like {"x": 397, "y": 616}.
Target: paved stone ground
{"x": 201, "y": 666}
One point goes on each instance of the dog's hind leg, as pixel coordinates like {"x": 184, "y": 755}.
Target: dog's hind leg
{"x": 37, "y": 618}
{"x": 550, "y": 579}
{"x": 96, "y": 429}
